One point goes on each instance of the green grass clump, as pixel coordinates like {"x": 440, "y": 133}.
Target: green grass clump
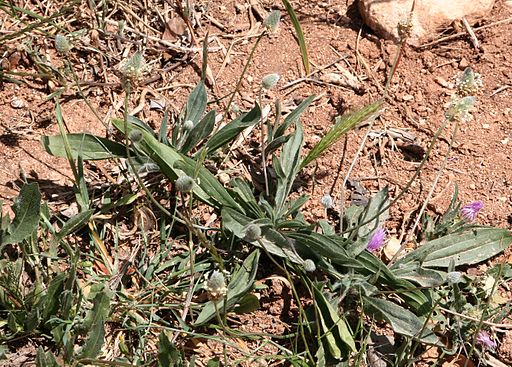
{"x": 136, "y": 274}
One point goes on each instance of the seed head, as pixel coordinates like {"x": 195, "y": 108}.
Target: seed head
{"x": 327, "y": 201}
{"x": 404, "y": 29}
{"x": 309, "y": 265}
{"x": 188, "y": 125}
{"x": 62, "y": 44}
{"x": 470, "y": 211}
{"x": 468, "y": 83}
{"x": 459, "y": 108}
{"x": 135, "y": 136}
{"x": 377, "y": 240}
{"x": 453, "y": 277}
{"x": 134, "y": 68}
{"x": 252, "y": 233}
{"x": 184, "y": 184}
{"x": 216, "y": 286}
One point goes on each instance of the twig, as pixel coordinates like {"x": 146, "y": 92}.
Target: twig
{"x": 472, "y": 35}
{"x": 457, "y": 35}
{"x": 488, "y": 323}
{"x": 500, "y": 89}
{"x": 308, "y": 77}
{"x": 170, "y": 45}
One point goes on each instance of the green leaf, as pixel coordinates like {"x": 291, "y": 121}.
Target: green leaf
{"x": 421, "y": 276}
{"x": 241, "y": 283}
{"x": 293, "y": 116}
{"x": 249, "y": 303}
{"x": 100, "y": 308}
{"x": 26, "y": 210}
{"x": 196, "y": 103}
{"x": 199, "y": 132}
{"x": 232, "y": 129}
{"x": 288, "y": 167}
{"x": 45, "y": 359}
{"x": 214, "y": 362}
{"x": 465, "y": 248}
{"x": 401, "y": 320}
{"x": 374, "y": 210}
{"x": 94, "y": 323}
{"x": 174, "y": 164}
{"x": 50, "y": 303}
{"x": 299, "y": 34}
{"x": 90, "y": 147}
{"x": 343, "y": 125}
{"x": 276, "y": 144}
{"x": 168, "y": 354}
{"x": 73, "y": 224}
{"x": 94, "y": 341}
{"x": 335, "y": 329}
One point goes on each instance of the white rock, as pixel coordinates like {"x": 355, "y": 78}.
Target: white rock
{"x": 429, "y": 17}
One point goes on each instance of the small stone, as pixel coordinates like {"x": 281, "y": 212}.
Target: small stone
{"x": 17, "y": 102}
{"x": 441, "y": 81}
{"x": 408, "y": 97}
{"x": 472, "y": 186}
{"x": 224, "y": 178}
{"x": 486, "y": 126}
{"x": 463, "y": 64}
{"x": 505, "y": 141}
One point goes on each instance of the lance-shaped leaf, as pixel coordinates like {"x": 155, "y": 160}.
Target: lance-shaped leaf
{"x": 402, "y": 320}
{"x": 174, "y": 164}
{"x": 232, "y": 129}
{"x": 343, "y": 125}
{"x": 89, "y": 147}
{"x": 335, "y": 330}
{"x": 196, "y": 103}
{"x": 469, "y": 247}
{"x": 26, "y": 209}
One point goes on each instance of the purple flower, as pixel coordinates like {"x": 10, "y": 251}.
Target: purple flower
{"x": 470, "y": 211}
{"x": 484, "y": 339}
{"x": 377, "y": 240}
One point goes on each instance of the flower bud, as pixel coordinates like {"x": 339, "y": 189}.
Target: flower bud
{"x": 184, "y": 184}
{"x": 252, "y": 233}
{"x": 188, "y": 125}
{"x": 468, "y": 83}
{"x": 135, "y": 136}
{"x": 271, "y": 22}
{"x": 309, "y": 265}
{"x": 327, "y": 201}
{"x": 453, "y": 277}
{"x": 216, "y": 286}
{"x": 269, "y": 81}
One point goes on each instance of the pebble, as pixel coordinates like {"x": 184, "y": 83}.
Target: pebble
{"x": 463, "y": 64}
{"x": 472, "y": 186}
{"x": 408, "y": 97}
{"x": 224, "y": 178}
{"x": 441, "y": 81}
{"x": 486, "y": 126}
{"x": 17, "y": 102}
